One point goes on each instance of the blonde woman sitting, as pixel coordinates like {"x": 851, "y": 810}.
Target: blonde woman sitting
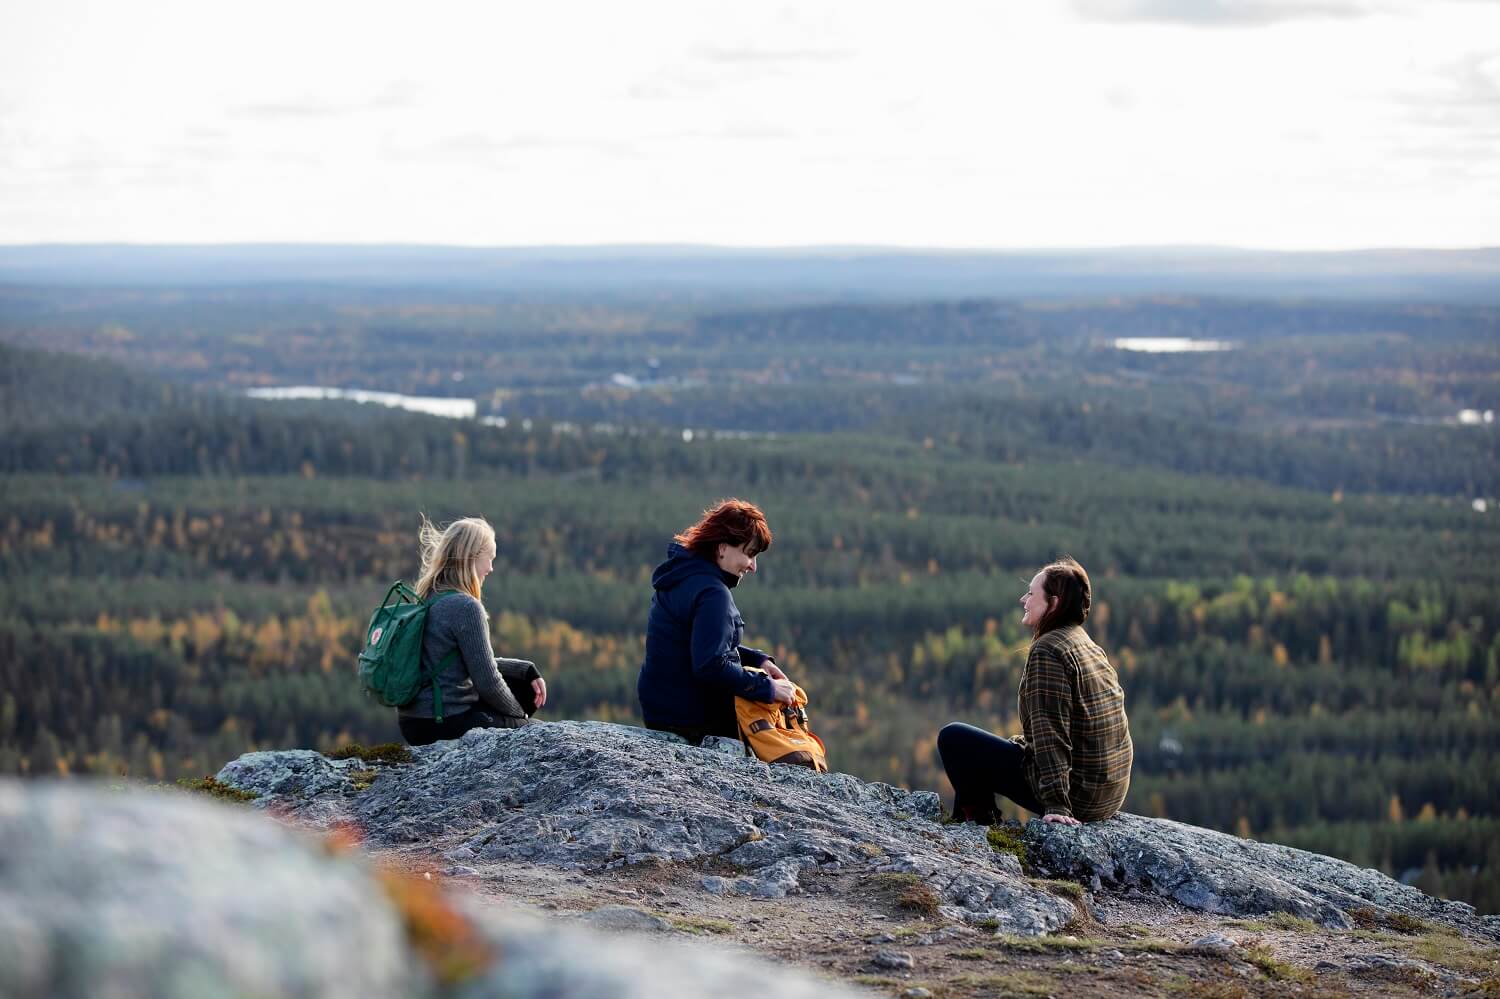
{"x": 479, "y": 690}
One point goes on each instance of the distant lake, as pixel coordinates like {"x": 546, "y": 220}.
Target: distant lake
{"x": 1170, "y": 344}
{"x": 457, "y": 409}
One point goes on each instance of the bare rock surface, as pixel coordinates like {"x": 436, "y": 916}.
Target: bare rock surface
{"x": 158, "y": 894}
{"x": 1218, "y": 873}
{"x": 596, "y": 796}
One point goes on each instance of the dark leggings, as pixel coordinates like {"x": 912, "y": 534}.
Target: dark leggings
{"x": 981, "y": 765}
{"x": 695, "y": 736}
{"x": 426, "y": 731}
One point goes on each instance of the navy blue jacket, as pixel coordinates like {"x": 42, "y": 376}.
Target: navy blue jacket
{"x": 694, "y": 661}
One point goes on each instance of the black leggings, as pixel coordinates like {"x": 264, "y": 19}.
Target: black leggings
{"x": 426, "y": 731}
{"x": 981, "y": 765}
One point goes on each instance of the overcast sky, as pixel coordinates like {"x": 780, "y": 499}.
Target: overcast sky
{"x": 1291, "y": 124}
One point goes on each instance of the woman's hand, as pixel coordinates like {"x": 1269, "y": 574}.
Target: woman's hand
{"x": 1065, "y": 820}
{"x": 773, "y": 670}
{"x": 539, "y": 687}
{"x": 783, "y": 692}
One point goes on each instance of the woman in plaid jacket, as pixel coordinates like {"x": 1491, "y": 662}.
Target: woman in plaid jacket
{"x": 1072, "y": 762}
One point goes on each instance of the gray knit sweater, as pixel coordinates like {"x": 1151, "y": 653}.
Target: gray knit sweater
{"x": 474, "y": 675}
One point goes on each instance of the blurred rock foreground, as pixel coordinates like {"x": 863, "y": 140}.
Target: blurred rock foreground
{"x": 141, "y": 893}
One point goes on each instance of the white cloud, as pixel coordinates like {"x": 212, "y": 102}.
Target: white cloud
{"x": 1225, "y": 13}
{"x": 960, "y": 123}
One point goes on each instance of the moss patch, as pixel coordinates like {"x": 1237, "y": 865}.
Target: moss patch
{"x": 215, "y": 788}
{"x": 1369, "y": 918}
{"x": 1287, "y": 921}
{"x": 363, "y": 778}
{"x": 1272, "y": 968}
{"x": 1154, "y": 945}
{"x": 1181, "y": 985}
{"x": 1007, "y": 839}
{"x": 1049, "y": 945}
{"x": 1449, "y": 949}
{"x": 701, "y": 926}
{"x": 1015, "y": 983}
{"x": 1071, "y": 890}
{"x": 385, "y": 752}
{"x": 903, "y": 891}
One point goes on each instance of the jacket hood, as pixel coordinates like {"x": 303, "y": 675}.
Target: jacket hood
{"x": 682, "y": 564}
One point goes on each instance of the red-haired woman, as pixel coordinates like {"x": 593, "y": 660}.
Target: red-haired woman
{"x": 695, "y": 665}
{"x": 1072, "y": 761}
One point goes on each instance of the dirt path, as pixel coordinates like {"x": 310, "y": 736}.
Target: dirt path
{"x": 881, "y": 931}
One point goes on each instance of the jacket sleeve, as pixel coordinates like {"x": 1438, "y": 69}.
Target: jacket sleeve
{"x": 1046, "y": 702}
{"x": 716, "y": 655}
{"x": 754, "y": 657}
{"x": 473, "y": 634}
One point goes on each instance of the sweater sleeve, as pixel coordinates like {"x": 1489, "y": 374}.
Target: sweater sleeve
{"x": 715, "y": 650}
{"x": 1046, "y": 703}
{"x": 473, "y": 634}
{"x": 517, "y": 669}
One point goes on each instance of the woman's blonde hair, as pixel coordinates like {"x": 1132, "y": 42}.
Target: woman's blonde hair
{"x": 450, "y": 556}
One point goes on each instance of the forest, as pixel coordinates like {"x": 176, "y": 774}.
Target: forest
{"x": 1293, "y": 541}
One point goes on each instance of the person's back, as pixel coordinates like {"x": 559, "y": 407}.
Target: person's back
{"x": 474, "y": 689}
{"x": 458, "y": 632}
{"x": 1066, "y": 665}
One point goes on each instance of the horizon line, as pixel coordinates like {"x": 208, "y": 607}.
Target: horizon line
{"x": 784, "y": 248}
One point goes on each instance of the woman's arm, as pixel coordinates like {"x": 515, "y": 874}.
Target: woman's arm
{"x": 716, "y": 657}
{"x": 1046, "y": 703}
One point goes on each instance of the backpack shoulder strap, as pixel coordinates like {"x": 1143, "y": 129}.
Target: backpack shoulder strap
{"x": 437, "y": 688}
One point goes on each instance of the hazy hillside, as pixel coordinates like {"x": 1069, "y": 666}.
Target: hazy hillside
{"x": 823, "y": 273}
{"x": 1293, "y": 574}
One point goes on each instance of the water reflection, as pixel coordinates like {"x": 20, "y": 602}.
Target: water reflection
{"x": 457, "y": 409}
{"x": 1170, "y": 344}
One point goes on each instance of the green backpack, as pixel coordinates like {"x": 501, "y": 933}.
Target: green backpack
{"x": 390, "y": 667}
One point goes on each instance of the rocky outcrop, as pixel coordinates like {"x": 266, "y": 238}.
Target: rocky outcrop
{"x": 597, "y": 796}
{"x": 1214, "y": 872}
{"x": 157, "y": 894}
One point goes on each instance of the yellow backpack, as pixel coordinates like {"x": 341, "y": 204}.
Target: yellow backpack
{"x": 778, "y": 733}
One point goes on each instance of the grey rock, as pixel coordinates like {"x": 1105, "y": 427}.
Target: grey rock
{"x": 776, "y": 880}
{"x": 719, "y": 744}
{"x": 162, "y": 894}
{"x": 624, "y": 919}
{"x": 715, "y": 885}
{"x": 157, "y": 893}
{"x": 659, "y": 736}
{"x": 916, "y": 992}
{"x": 543, "y": 960}
{"x": 595, "y": 796}
{"x": 1219, "y": 873}
{"x": 883, "y": 938}
{"x": 319, "y": 784}
{"x": 1386, "y": 966}
{"x": 1214, "y": 943}
{"x": 895, "y": 960}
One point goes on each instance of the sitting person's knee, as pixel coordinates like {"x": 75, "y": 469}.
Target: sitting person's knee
{"x": 951, "y": 735}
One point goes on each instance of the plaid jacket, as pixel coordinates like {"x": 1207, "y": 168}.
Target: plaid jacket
{"x": 1078, "y": 749}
